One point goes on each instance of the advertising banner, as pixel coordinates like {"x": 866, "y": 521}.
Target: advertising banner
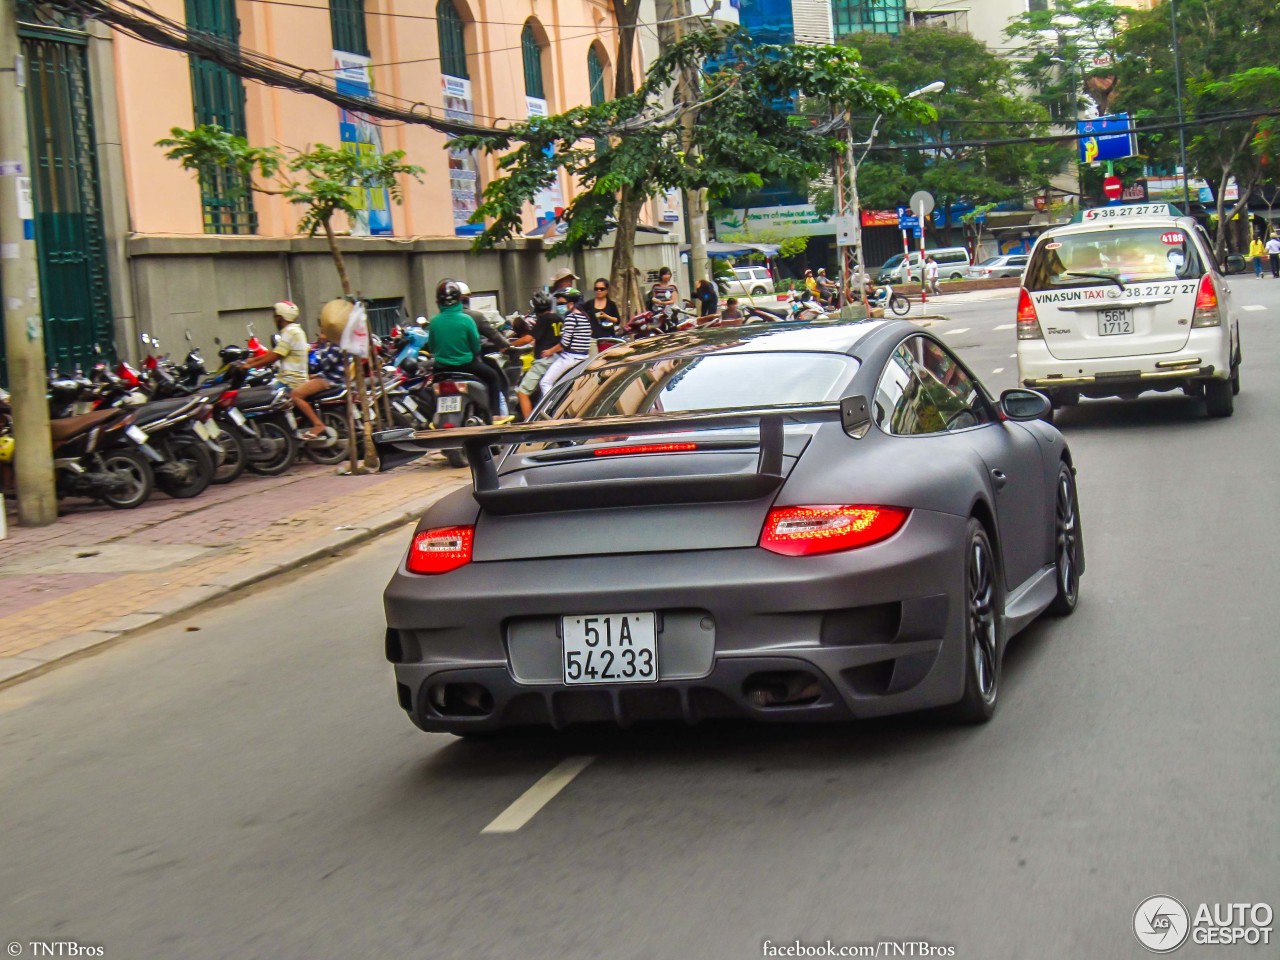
{"x": 796, "y": 220}
{"x": 548, "y": 203}
{"x": 359, "y": 133}
{"x": 1106, "y": 138}
{"x": 879, "y": 218}
{"x": 464, "y": 165}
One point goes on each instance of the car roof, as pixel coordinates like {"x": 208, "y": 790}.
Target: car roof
{"x": 838, "y": 336}
{"x": 1096, "y": 226}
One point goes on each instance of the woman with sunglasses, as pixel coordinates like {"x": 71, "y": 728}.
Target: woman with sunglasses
{"x": 604, "y": 313}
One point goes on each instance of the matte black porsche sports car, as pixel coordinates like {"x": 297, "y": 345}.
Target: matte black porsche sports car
{"x": 775, "y": 522}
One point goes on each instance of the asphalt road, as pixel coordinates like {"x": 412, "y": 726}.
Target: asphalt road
{"x": 242, "y": 784}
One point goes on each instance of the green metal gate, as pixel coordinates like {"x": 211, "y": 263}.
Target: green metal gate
{"x": 74, "y": 290}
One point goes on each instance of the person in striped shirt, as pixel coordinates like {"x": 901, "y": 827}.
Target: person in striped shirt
{"x": 575, "y": 337}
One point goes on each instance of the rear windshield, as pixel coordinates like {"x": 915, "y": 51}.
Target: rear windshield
{"x": 1128, "y": 255}
{"x": 680, "y": 384}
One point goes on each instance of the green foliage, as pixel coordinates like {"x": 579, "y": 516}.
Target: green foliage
{"x": 208, "y": 149}
{"x": 332, "y": 181}
{"x": 1068, "y": 52}
{"x": 721, "y": 274}
{"x": 737, "y": 133}
{"x": 788, "y": 246}
{"x": 981, "y": 102}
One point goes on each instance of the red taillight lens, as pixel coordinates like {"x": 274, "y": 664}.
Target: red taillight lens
{"x": 228, "y": 399}
{"x": 805, "y": 531}
{"x": 446, "y": 388}
{"x": 1207, "y": 313}
{"x": 1028, "y": 322}
{"x": 441, "y": 550}
{"x": 646, "y": 448}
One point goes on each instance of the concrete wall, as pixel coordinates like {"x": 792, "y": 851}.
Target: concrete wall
{"x": 213, "y": 286}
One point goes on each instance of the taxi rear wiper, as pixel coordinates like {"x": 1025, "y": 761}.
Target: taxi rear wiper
{"x": 1110, "y": 277}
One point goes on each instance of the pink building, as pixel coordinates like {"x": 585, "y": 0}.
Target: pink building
{"x": 156, "y": 250}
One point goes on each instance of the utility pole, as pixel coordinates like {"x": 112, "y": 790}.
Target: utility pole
{"x": 20, "y": 290}
{"x": 695, "y": 201}
{"x": 1182, "y": 120}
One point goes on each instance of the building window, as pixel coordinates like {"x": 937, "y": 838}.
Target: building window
{"x": 453, "y": 46}
{"x": 532, "y": 54}
{"x": 218, "y": 97}
{"x": 595, "y": 76}
{"x": 346, "y": 19}
{"x": 868, "y": 16}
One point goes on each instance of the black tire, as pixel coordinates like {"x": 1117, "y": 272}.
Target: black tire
{"x": 899, "y": 304}
{"x": 190, "y": 452}
{"x": 233, "y": 455}
{"x": 338, "y": 451}
{"x": 758, "y": 291}
{"x": 1064, "y": 398}
{"x": 1235, "y": 374}
{"x": 1068, "y": 544}
{"x": 983, "y": 629}
{"x": 1219, "y": 398}
{"x": 130, "y": 464}
{"x": 456, "y": 457}
{"x": 273, "y": 429}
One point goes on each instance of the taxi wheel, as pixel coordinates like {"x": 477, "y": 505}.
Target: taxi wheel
{"x": 1219, "y": 398}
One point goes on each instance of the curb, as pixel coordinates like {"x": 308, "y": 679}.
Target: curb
{"x": 33, "y": 663}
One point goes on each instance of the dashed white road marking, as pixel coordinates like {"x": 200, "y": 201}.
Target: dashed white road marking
{"x": 538, "y": 796}
{"x": 959, "y": 330}
{"x": 1013, "y": 356}
{"x": 997, "y": 370}
{"x": 1005, "y": 326}
{"x": 1253, "y": 306}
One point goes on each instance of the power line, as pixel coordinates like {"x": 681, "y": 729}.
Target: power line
{"x": 426, "y": 16}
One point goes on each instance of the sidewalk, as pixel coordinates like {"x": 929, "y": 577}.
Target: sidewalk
{"x": 100, "y": 573}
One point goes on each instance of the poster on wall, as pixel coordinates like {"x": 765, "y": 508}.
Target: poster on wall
{"x": 548, "y": 203}
{"x": 464, "y": 165}
{"x": 359, "y": 133}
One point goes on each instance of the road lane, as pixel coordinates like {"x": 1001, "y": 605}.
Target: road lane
{"x": 250, "y": 789}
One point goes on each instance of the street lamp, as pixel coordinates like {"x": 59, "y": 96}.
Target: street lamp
{"x": 853, "y": 162}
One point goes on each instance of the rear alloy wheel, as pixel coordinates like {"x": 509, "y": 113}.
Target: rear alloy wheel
{"x": 284, "y": 448}
{"x": 132, "y": 476}
{"x": 757, "y": 291}
{"x": 1219, "y": 398}
{"x": 984, "y": 627}
{"x": 333, "y": 451}
{"x": 233, "y": 455}
{"x": 191, "y": 467}
{"x": 1068, "y": 547}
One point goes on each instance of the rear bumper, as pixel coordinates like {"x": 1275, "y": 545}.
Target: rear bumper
{"x": 866, "y": 633}
{"x": 1206, "y": 356}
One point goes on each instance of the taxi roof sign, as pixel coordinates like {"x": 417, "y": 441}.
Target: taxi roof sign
{"x": 1126, "y": 211}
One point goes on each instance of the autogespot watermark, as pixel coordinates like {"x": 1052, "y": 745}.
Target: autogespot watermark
{"x": 1162, "y": 924}
{"x": 872, "y": 948}
{"x": 54, "y": 948}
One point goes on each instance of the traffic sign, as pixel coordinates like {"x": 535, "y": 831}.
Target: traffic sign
{"x": 922, "y": 203}
{"x": 916, "y": 233}
{"x": 907, "y": 222}
{"x": 1112, "y": 187}
{"x": 902, "y": 212}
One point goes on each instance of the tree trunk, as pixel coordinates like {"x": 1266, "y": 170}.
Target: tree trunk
{"x": 622, "y": 273}
{"x": 626, "y": 12}
{"x": 339, "y": 263}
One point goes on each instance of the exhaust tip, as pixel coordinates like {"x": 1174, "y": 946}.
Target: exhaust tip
{"x": 784, "y": 688}
{"x": 460, "y": 699}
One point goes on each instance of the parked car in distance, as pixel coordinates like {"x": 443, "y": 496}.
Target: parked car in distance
{"x": 992, "y": 268}
{"x": 953, "y": 262}
{"x": 750, "y": 282}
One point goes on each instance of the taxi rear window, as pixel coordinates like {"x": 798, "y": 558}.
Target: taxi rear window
{"x": 1128, "y": 255}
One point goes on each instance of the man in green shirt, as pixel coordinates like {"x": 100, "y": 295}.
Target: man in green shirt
{"x": 453, "y": 341}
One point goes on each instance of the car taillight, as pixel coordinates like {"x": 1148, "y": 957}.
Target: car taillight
{"x": 646, "y": 448}
{"x": 805, "y": 531}
{"x": 441, "y": 550}
{"x": 1028, "y": 322}
{"x": 1207, "y": 312}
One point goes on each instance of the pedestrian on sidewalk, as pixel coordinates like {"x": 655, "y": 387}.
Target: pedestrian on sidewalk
{"x": 931, "y": 275}
{"x": 1273, "y": 250}
{"x": 1256, "y": 253}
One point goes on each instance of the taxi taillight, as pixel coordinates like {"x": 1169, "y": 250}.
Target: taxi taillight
{"x": 1028, "y": 322}
{"x": 1207, "y": 312}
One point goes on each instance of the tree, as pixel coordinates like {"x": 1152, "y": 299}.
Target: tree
{"x": 1068, "y": 51}
{"x": 631, "y": 148}
{"x": 981, "y": 102}
{"x": 324, "y": 181}
{"x": 1227, "y": 51}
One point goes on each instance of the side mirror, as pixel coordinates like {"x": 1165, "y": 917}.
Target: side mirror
{"x": 1020, "y": 404}
{"x": 855, "y": 416}
{"x": 145, "y": 339}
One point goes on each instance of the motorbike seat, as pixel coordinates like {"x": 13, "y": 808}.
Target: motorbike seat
{"x": 68, "y": 428}
{"x": 160, "y": 409}
{"x": 255, "y": 398}
{"x": 333, "y": 393}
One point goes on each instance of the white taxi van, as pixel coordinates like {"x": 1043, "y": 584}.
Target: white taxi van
{"x": 1125, "y": 299}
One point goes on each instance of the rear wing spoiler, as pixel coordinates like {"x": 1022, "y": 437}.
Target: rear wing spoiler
{"x": 399, "y": 446}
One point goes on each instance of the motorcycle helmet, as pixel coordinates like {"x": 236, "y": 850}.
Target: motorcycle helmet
{"x": 6, "y": 449}
{"x": 541, "y": 302}
{"x": 64, "y": 391}
{"x": 233, "y": 353}
{"x": 569, "y": 295}
{"x": 450, "y": 292}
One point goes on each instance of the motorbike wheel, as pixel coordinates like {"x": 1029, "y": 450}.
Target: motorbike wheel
{"x": 189, "y": 451}
{"x": 899, "y": 304}
{"x": 134, "y": 470}
{"x": 233, "y": 456}
{"x": 456, "y": 457}
{"x": 337, "y": 451}
{"x": 272, "y": 429}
